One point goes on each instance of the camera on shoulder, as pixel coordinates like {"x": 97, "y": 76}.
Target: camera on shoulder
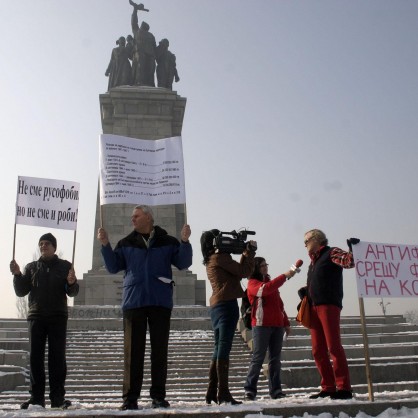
{"x": 233, "y": 242}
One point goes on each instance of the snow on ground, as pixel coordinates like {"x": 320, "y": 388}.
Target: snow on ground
{"x": 254, "y": 409}
{"x": 44, "y": 413}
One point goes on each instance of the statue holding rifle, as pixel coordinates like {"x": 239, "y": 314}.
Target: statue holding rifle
{"x": 143, "y": 62}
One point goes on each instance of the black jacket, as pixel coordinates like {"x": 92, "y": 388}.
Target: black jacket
{"x": 325, "y": 281}
{"x": 46, "y": 284}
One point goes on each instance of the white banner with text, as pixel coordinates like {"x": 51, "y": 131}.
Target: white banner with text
{"x": 46, "y": 202}
{"x": 139, "y": 171}
{"x": 386, "y": 270}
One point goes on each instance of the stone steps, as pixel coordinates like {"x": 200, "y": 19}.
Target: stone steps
{"x": 75, "y": 323}
{"x": 353, "y": 351}
{"x": 393, "y": 351}
{"x": 95, "y": 362}
{"x": 95, "y": 365}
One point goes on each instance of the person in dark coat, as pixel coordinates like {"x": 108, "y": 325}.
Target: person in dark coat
{"x": 325, "y": 293}
{"x": 48, "y": 281}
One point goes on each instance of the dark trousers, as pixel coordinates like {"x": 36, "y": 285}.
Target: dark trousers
{"x": 326, "y": 346}
{"x": 53, "y": 330}
{"x": 224, "y": 317}
{"x": 135, "y": 323}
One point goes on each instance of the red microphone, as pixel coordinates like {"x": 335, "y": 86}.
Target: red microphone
{"x": 296, "y": 267}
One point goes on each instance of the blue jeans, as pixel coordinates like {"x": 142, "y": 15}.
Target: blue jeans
{"x": 264, "y": 338}
{"x": 224, "y": 317}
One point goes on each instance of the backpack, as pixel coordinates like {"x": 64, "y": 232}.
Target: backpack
{"x": 246, "y": 308}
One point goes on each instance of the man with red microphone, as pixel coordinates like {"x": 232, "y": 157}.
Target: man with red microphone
{"x": 325, "y": 293}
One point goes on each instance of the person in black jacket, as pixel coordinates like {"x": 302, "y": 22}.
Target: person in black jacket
{"x": 325, "y": 293}
{"x": 48, "y": 281}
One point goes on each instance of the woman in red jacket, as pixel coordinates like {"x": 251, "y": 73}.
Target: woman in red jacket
{"x": 269, "y": 323}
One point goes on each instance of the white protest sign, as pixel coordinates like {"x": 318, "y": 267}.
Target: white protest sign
{"x": 46, "y": 202}
{"x": 386, "y": 270}
{"x": 142, "y": 171}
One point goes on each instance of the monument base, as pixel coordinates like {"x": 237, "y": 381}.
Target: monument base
{"x": 99, "y": 317}
{"x": 149, "y": 113}
{"x": 98, "y": 287}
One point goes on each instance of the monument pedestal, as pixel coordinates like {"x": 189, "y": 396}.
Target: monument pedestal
{"x": 145, "y": 113}
{"x": 98, "y": 287}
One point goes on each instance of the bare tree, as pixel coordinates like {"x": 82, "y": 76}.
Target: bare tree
{"x": 22, "y": 306}
{"x": 411, "y": 316}
{"x": 384, "y": 306}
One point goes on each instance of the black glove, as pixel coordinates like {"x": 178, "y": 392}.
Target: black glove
{"x": 250, "y": 247}
{"x": 302, "y": 292}
{"x": 351, "y": 242}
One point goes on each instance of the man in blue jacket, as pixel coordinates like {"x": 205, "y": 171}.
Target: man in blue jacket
{"x": 146, "y": 255}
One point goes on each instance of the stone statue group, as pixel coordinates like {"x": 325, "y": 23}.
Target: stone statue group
{"x": 136, "y": 58}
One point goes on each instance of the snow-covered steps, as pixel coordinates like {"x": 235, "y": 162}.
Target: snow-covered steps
{"x": 393, "y": 351}
{"x": 95, "y": 362}
{"x": 95, "y": 368}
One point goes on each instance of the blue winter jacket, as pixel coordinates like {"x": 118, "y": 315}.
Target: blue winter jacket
{"x": 148, "y": 275}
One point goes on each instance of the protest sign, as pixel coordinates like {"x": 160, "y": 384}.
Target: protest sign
{"x": 386, "y": 270}
{"x": 383, "y": 270}
{"x": 142, "y": 171}
{"x": 46, "y": 202}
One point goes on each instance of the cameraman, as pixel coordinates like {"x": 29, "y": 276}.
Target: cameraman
{"x": 224, "y": 275}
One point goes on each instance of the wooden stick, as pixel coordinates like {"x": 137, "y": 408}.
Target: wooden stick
{"x": 185, "y": 213}
{"x": 75, "y": 239}
{"x": 366, "y": 350}
{"x": 14, "y": 242}
{"x": 101, "y": 216}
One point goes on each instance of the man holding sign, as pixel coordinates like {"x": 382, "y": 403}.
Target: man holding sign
{"x": 48, "y": 281}
{"x": 325, "y": 293}
{"x": 146, "y": 255}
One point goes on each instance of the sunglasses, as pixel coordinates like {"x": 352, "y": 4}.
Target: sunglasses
{"x": 307, "y": 240}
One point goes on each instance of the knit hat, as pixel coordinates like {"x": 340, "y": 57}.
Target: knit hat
{"x": 49, "y": 237}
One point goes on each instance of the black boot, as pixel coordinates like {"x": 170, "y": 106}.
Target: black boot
{"x": 211, "y": 393}
{"x": 33, "y": 401}
{"x": 224, "y": 395}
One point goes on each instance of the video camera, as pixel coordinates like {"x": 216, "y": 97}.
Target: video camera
{"x": 232, "y": 242}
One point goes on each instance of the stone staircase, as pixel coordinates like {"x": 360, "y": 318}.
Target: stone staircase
{"x": 393, "y": 351}
{"x": 95, "y": 368}
{"x": 95, "y": 361}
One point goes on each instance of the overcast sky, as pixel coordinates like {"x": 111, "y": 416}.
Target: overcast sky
{"x": 300, "y": 115}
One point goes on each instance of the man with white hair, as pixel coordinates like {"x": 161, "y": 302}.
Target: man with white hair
{"x": 146, "y": 255}
{"x": 325, "y": 293}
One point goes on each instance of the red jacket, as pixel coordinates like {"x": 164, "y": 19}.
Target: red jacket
{"x": 267, "y": 305}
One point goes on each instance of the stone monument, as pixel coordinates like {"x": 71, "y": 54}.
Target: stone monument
{"x": 150, "y": 113}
